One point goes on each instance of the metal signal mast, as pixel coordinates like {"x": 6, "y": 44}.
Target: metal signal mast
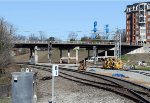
{"x": 49, "y": 51}
{"x": 95, "y": 30}
{"x": 117, "y": 50}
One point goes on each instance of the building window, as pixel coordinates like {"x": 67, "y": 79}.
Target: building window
{"x": 143, "y": 37}
{"x": 137, "y": 32}
{"x": 127, "y": 39}
{"x": 143, "y": 30}
{"x": 148, "y": 12}
{"x": 148, "y": 19}
{"x": 148, "y": 31}
{"x": 148, "y": 37}
{"x": 148, "y": 25}
{"x": 148, "y": 7}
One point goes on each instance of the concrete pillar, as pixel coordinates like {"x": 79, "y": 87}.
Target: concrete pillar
{"x": 105, "y": 53}
{"x": 31, "y": 55}
{"x": 68, "y": 56}
{"x": 88, "y": 53}
{"x": 77, "y": 54}
{"x": 94, "y": 51}
{"x": 94, "y": 54}
{"x": 31, "y": 52}
{"x": 114, "y": 53}
{"x": 60, "y": 55}
{"x": 35, "y": 55}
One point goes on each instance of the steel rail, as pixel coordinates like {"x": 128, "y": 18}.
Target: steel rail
{"x": 139, "y": 95}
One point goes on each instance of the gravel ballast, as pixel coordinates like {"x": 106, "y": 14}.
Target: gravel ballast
{"x": 71, "y": 92}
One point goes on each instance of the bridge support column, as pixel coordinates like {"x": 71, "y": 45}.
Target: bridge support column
{"x": 77, "y": 56}
{"x": 60, "y": 50}
{"x": 94, "y": 53}
{"x": 114, "y": 53}
{"x": 105, "y": 53}
{"x": 88, "y": 53}
{"x": 31, "y": 52}
{"x": 33, "y": 55}
{"x": 68, "y": 56}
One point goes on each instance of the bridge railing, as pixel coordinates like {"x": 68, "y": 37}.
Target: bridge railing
{"x": 68, "y": 42}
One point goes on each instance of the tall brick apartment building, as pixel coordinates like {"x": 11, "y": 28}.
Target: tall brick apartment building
{"x": 138, "y": 23}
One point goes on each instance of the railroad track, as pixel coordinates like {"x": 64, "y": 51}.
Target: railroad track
{"x": 124, "y": 88}
{"x": 141, "y": 72}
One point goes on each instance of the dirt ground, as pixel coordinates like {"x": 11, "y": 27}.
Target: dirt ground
{"x": 71, "y": 92}
{"x": 43, "y": 56}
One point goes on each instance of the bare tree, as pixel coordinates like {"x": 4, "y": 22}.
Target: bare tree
{"x": 42, "y": 35}
{"x": 32, "y": 37}
{"x": 123, "y": 35}
{"x": 19, "y": 37}
{"x": 72, "y": 36}
{"x": 6, "y": 32}
{"x": 85, "y": 38}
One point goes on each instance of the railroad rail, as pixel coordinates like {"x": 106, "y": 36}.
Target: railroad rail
{"x": 141, "y": 72}
{"x": 124, "y": 88}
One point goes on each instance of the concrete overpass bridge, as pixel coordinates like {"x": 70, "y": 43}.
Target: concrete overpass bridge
{"x": 68, "y": 45}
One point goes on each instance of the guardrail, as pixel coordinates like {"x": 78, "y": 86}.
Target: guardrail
{"x": 69, "y": 42}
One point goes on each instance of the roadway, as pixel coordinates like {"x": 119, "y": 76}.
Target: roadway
{"x": 71, "y": 45}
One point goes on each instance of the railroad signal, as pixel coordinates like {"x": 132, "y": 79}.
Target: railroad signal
{"x": 49, "y": 51}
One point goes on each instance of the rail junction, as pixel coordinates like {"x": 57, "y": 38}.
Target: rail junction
{"x": 130, "y": 90}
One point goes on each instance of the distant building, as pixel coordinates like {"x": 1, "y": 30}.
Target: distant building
{"x": 138, "y": 23}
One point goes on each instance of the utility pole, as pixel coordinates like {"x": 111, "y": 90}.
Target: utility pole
{"x": 118, "y": 44}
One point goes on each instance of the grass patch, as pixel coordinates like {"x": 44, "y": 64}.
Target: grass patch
{"x": 5, "y": 100}
{"x": 5, "y": 79}
{"x": 124, "y": 58}
{"x": 143, "y": 68}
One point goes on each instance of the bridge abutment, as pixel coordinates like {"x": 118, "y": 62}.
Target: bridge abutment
{"x": 94, "y": 53}
{"x": 60, "y": 50}
{"x": 68, "y": 58}
{"x": 88, "y": 53}
{"x": 33, "y": 55}
{"x": 105, "y": 53}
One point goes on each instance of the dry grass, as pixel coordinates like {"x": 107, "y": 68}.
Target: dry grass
{"x": 5, "y": 78}
{"x": 134, "y": 58}
{"x": 43, "y": 56}
{"x": 5, "y": 100}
